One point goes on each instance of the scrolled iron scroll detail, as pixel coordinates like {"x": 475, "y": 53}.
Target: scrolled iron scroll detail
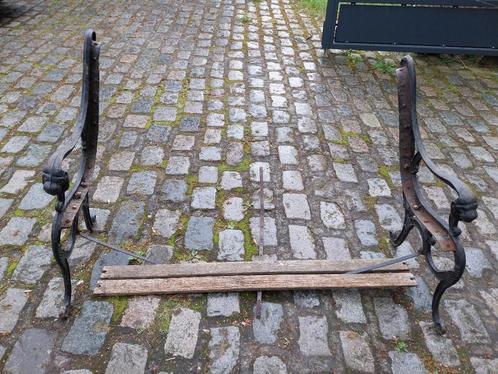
{"x": 418, "y": 212}
{"x": 56, "y": 180}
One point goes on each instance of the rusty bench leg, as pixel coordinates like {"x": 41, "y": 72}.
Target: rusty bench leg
{"x": 432, "y": 228}
{"x": 56, "y": 180}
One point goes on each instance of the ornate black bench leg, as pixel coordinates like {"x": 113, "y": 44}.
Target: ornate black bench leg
{"x": 418, "y": 213}
{"x": 56, "y": 181}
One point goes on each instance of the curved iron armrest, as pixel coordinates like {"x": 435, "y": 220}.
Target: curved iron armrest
{"x": 56, "y": 181}
{"x": 418, "y": 212}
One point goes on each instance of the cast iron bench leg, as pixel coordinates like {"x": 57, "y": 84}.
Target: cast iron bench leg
{"x": 56, "y": 180}
{"x": 432, "y": 228}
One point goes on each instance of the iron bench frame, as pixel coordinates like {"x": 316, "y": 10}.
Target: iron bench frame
{"x": 432, "y": 228}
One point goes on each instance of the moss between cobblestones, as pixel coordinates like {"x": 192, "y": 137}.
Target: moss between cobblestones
{"x": 191, "y": 183}
{"x": 385, "y": 245}
{"x": 120, "y": 303}
{"x": 250, "y": 249}
{"x": 18, "y": 213}
{"x": 11, "y": 267}
{"x": 384, "y": 173}
{"x": 370, "y": 202}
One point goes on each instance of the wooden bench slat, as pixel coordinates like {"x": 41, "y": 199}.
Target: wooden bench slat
{"x": 241, "y": 268}
{"x": 110, "y": 287}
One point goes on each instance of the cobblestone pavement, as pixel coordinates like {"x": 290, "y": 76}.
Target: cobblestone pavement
{"x": 196, "y": 96}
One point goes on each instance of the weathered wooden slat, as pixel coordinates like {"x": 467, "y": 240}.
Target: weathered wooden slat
{"x": 109, "y": 287}
{"x": 242, "y": 268}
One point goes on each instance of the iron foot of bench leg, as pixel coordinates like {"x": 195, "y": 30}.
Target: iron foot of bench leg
{"x": 67, "y": 288}
{"x": 436, "y": 300}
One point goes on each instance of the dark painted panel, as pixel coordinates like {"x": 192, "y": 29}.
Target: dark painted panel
{"x": 425, "y": 26}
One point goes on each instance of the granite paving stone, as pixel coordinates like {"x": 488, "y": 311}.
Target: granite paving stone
{"x": 127, "y": 358}
{"x": 313, "y": 339}
{"x": 349, "y": 306}
{"x": 183, "y": 333}
{"x": 269, "y": 364}
{"x": 165, "y": 222}
{"x": 127, "y": 220}
{"x": 33, "y": 264}
{"x": 174, "y": 190}
{"x": 296, "y": 206}
{"x": 140, "y": 313}
{"x": 233, "y": 209}
{"x": 332, "y": 216}
{"x": 199, "y": 235}
{"x": 393, "y": 318}
{"x": 11, "y": 305}
{"x": 108, "y": 189}
{"x": 52, "y": 304}
{"x": 178, "y": 165}
{"x": 161, "y": 254}
{"x": 223, "y": 304}
{"x": 467, "y": 319}
{"x": 484, "y": 366}
{"x": 357, "y": 351}
{"x": 269, "y": 230}
{"x": 224, "y": 348}
{"x": 17, "y": 231}
{"x": 31, "y": 353}
{"x": 142, "y": 183}
{"x": 204, "y": 198}
{"x": 208, "y": 174}
{"x": 266, "y": 327}
{"x": 301, "y": 242}
{"x": 89, "y": 330}
{"x": 230, "y": 180}
{"x": 231, "y": 245}
{"x": 18, "y": 181}
{"x": 404, "y": 362}
{"x": 306, "y": 299}
{"x": 4, "y": 263}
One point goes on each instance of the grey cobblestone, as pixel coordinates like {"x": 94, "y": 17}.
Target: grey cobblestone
{"x": 127, "y": 359}
{"x": 393, "y": 319}
{"x": 11, "y": 306}
{"x": 231, "y": 245}
{"x": 223, "y": 304}
{"x": 313, "y": 336}
{"x": 267, "y": 365}
{"x": 89, "y": 330}
{"x": 266, "y": 327}
{"x": 224, "y": 348}
{"x": 183, "y": 333}
{"x": 17, "y": 231}
{"x": 165, "y": 222}
{"x": 357, "y": 352}
{"x": 52, "y": 304}
{"x": 31, "y": 353}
